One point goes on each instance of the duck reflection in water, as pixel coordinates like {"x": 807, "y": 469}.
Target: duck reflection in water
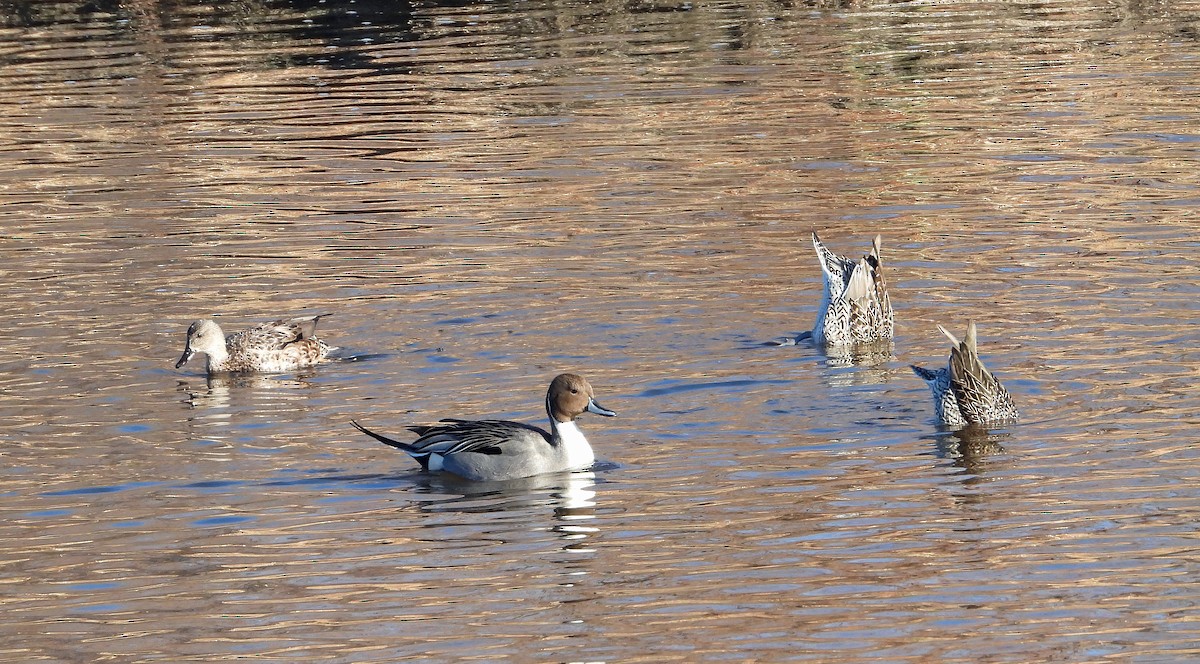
{"x": 971, "y": 447}
{"x": 570, "y": 495}
{"x": 217, "y": 391}
{"x": 863, "y": 364}
{"x": 566, "y": 491}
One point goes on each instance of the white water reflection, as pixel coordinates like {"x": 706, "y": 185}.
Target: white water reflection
{"x": 571, "y": 496}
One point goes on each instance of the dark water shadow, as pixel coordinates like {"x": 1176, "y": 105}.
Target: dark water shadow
{"x": 674, "y": 386}
{"x": 344, "y": 355}
{"x": 799, "y": 339}
{"x": 866, "y": 354}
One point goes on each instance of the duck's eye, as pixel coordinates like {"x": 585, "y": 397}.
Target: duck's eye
{"x": 574, "y": 391}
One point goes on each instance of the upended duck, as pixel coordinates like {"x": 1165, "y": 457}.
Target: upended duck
{"x": 281, "y": 345}
{"x": 496, "y": 450}
{"x": 855, "y": 307}
{"x": 965, "y": 392}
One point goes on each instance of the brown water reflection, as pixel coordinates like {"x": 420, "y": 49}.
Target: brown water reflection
{"x": 487, "y": 195}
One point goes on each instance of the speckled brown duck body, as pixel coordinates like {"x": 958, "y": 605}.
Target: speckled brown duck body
{"x": 965, "y": 392}
{"x": 855, "y": 307}
{"x": 281, "y": 345}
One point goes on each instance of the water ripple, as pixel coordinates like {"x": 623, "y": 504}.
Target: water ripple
{"x": 488, "y": 195}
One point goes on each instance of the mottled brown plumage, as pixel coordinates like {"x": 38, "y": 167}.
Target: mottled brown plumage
{"x": 855, "y": 307}
{"x": 965, "y": 392}
{"x": 282, "y": 345}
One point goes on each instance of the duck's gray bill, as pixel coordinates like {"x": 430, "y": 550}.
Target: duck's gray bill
{"x": 187, "y": 355}
{"x": 596, "y": 408}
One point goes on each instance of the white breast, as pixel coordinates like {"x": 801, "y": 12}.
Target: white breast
{"x": 579, "y": 452}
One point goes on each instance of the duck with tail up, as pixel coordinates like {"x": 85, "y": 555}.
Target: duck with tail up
{"x": 964, "y": 392}
{"x": 855, "y": 307}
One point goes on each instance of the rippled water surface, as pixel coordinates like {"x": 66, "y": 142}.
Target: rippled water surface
{"x": 484, "y": 195}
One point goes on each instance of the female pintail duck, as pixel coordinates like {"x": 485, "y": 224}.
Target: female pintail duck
{"x": 282, "y": 345}
{"x": 494, "y": 450}
{"x": 855, "y": 307}
{"x": 965, "y": 392}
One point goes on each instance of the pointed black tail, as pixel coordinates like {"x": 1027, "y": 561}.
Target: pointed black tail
{"x": 383, "y": 439}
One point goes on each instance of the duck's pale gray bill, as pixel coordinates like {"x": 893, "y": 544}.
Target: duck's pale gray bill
{"x": 596, "y": 408}
{"x": 187, "y": 355}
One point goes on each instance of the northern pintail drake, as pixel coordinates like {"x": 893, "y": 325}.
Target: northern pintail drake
{"x": 495, "y": 450}
{"x": 282, "y": 345}
{"x": 965, "y": 392}
{"x": 855, "y": 307}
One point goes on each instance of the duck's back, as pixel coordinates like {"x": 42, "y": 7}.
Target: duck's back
{"x": 490, "y": 450}
{"x": 979, "y": 394}
{"x": 278, "y": 346}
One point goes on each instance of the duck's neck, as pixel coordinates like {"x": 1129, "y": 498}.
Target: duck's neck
{"x": 217, "y": 357}
{"x": 572, "y": 441}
